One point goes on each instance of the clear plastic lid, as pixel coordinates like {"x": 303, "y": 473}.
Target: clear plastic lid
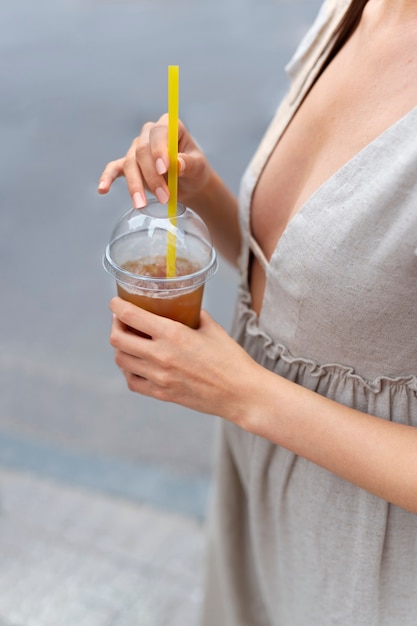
{"x": 142, "y": 235}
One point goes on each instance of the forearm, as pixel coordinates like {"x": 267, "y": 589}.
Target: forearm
{"x": 377, "y": 455}
{"x": 218, "y": 207}
{"x": 197, "y": 369}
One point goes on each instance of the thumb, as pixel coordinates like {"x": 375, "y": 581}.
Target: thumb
{"x": 181, "y": 164}
{"x": 192, "y": 164}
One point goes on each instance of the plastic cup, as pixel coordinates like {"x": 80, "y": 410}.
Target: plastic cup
{"x": 136, "y": 257}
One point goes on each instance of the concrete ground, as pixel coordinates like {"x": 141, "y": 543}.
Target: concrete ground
{"x": 103, "y": 494}
{"x": 71, "y": 557}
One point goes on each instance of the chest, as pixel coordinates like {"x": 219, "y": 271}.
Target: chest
{"x": 363, "y": 92}
{"x": 340, "y": 285}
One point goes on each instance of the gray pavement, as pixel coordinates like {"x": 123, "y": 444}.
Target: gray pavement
{"x": 69, "y": 558}
{"x": 103, "y": 493}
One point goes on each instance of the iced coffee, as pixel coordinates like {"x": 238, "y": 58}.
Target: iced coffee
{"x": 136, "y": 257}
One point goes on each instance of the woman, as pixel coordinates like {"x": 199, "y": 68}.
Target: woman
{"x": 314, "y": 519}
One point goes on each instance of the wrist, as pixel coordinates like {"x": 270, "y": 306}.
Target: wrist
{"x": 200, "y": 196}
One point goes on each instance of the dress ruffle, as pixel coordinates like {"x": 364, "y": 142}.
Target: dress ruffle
{"x": 334, "y": 380}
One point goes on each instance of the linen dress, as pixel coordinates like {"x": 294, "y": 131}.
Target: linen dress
{"x": 291, "y": 544}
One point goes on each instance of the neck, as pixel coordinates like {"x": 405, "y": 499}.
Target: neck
{"x": 396, "y": 10}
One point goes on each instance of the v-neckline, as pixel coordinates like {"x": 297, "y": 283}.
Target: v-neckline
{"x": 339, "y": 172}
{"x": 303, "y": 209}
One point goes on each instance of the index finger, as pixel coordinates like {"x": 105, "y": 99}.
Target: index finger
{"x": 134, "y": 317}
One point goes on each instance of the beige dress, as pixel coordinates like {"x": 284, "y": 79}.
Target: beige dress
{"x": 290, "y": 544}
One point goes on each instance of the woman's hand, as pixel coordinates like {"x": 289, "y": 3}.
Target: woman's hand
{"x": 145, "y": 168}
{"x": 203, "y": 369}
{"x": 145, "y": 165}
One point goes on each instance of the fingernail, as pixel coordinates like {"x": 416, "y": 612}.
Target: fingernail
{"x": 162, "y": 195}
{"x": 138, "y": 200}
{"x": 102, "y": 185}
{"x": 160, "y": 166}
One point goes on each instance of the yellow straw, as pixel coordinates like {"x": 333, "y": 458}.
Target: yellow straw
{"x": 173, "y": 97}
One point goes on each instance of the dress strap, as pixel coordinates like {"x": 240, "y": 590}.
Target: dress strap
{"x": 258, "y": 252}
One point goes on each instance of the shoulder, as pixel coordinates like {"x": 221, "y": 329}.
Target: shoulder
{"x": 318, "y": 38}
{"x": 301, "y": 69}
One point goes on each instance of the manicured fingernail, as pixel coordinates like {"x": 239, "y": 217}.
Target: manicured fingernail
{"x": 160, "y": 166}
{"x": 138, "y": 200}
{"x": 162, "y": 195}
{"x": 102, "y": 185}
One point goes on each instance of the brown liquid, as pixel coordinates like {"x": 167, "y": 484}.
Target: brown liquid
{"x": 184, "y": 308}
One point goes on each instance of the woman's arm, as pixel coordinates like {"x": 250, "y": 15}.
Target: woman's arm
{"x": 375, "y": 454}
{"x": 206, "y": 370}
{"x": 145, "y": 167}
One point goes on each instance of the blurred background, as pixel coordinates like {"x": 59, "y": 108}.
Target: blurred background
{"x": 103, "y": 494}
